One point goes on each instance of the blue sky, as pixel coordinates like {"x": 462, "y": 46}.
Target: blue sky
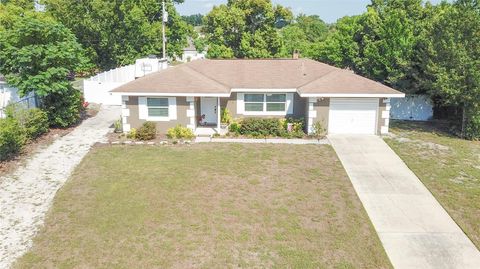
{"x": 328, "y": 10}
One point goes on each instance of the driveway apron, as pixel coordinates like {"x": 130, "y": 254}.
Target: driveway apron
{"x": 26, "y": 195}
{"x": 413, "y": 227}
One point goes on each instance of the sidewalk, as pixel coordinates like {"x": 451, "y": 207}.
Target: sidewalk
{"x": 262, "y": 141}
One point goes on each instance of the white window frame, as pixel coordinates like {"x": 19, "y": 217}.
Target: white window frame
{"x": 288, "y": 104}
{"x": 143, "y": 109}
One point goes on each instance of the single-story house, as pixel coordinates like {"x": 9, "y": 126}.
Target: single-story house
{"x": 193, "y": 94}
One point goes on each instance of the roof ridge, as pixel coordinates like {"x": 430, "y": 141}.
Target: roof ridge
{"x": 316, "y": 79}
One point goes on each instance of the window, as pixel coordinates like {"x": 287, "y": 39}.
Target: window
{"x": 265, "y": 102}
{"x": 276, "y": 102}
{"x": 157, "y": 107}
{"x": 254, "y": 102}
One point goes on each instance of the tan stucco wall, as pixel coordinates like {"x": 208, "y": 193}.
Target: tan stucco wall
{"x": 299, "y": 105}
{"x": 322, "y": 106}
{"x": 162, "y": 127}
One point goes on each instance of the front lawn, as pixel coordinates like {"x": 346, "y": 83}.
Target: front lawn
{"x": 207, "y": 206}
{"x": 447, "y": 165}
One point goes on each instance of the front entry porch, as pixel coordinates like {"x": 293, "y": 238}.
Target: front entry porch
{"x": 207, "y": 116}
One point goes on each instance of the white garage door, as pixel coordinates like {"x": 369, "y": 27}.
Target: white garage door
{"x": 353, "y": 115}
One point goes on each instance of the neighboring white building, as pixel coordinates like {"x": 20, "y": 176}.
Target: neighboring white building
{"x": 190, "y": 53}
{"x": 10, "y": 95}
{"x": 97, "y": 89}
{"x": 412, "y": 107}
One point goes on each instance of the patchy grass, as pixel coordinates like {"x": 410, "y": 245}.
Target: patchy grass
{"x": 207, "y": 206}
{"x": 447, "y": 165}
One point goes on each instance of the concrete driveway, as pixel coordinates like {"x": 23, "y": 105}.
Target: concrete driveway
{"x": 415, "y": 230}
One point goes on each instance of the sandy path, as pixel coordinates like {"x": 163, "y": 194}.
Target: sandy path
{"x": 26, "y": 194}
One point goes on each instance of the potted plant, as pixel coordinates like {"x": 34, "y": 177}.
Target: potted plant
{"x": 225, "y": 118}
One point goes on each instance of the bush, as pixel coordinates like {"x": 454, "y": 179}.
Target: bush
{"x": 33, "y": 121}
{"x": 180, "y": 132}
{"x": 64, "y": 108}
{"x": 226, "y": 118}
{"x": 264, "y": 127}
{"x": 234, "y": 128}
{"x": 148, "y": 131}
{"x": 319, "y": 131}
{"x": 132, "y": 134}
{"x": 472, "y": 128}
{"x": 12, "y": 138}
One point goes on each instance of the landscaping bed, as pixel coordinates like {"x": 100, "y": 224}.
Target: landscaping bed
{"x": 447, "y": 165}
{"x": 207, "y": 206}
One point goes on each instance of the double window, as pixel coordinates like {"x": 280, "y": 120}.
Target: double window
{"x": 157, "y": 107}
{"x": 265, "y": 102}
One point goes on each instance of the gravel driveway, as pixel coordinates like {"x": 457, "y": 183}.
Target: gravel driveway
{"x": 26, "y": 195}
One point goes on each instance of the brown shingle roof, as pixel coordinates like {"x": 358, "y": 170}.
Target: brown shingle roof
{"x": 221, "y": 76}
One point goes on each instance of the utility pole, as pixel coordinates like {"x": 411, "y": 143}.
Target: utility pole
{"x": 164, "y": 20}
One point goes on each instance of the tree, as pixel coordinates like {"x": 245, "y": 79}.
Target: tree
{"x": 452, "y": 61}
{"x": 37, "y": 54}
{"x": 245, "y": 29}
{"x": 342, "y": 44}
{"x": 194, "y": 20}
{"x": 119, "y": 31}
{"x": 303, "y": 35}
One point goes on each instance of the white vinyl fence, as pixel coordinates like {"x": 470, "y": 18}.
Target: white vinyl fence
{"x": 412, "y": 107}
{"x": 97, "y": 89}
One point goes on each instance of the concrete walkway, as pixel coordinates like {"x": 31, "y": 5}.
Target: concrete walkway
{"x": 26, "y": 195}
{"x": 415, "y": 230}
{"x": 201, "y": 139}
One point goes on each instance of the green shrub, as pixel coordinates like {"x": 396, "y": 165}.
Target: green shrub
{"x": 132, "y": 134}
{"x": 64, "y": 108}
{"x": 319, "y": 130}
{"x": 263, "y": 127}
{"x": 33, "y": 121}
{"x": 12, "y": 138}
{"x": 226, "y": 118}
{"x": 180, "y": 132}
{"x": 234, "y": 128}
{"x": 148, "y": 131}
{"x": 472, "y": 128}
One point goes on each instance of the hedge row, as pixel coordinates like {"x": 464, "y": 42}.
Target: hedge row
{"x": 18, "y": 128}
{"x": 269, "y": 127}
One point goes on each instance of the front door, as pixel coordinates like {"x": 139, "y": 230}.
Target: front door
{"x": 208, "y": 107}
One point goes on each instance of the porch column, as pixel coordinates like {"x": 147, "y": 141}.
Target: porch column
{"x": 312, "y": 114}
{"x": 191, "y": 113}
{"x": 385, "y": 116}
{"x": 219, "y": 111}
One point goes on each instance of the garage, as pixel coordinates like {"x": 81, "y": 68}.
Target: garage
{"x": 353, "y": 116}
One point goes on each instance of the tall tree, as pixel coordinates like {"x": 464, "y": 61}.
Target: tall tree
{"x": 342, "y": 44}
{"x": 119, "y": 31}
{"x": 37, "y": 54}
{"x": 303, "y": 35}
{"x": 245, "y": 29}
{"x": 194, "y": 20}
{"x": 452, "y": 60}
